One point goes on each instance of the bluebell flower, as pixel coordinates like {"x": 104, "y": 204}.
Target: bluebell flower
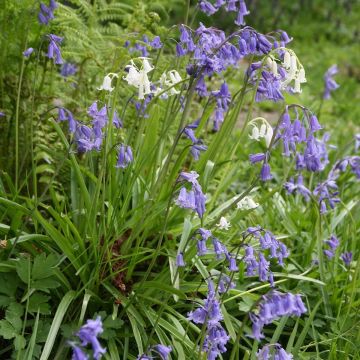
{"x": 255, "y": 158}
{"x": 273, "y": 306}
{"x": 68, "y": 69}
{"x": 251, "y": 261}
{"x": 314, "y": 123}
{"x": 84, "y": 137}
{"x": 163, "y": 351}
{"x": 66, "y": 115}
{"x": 88, "y": 335}
{"x": 210, "y": 314}
{"x": 78, "y": 353}
{"x": 327, "y": 192}
{"x": 125, "y": 156}
{"x": 298, "y": 187}
{"x": 277, "y": 352}
{"x": 186, "y": 199}
{"x": 232, "y": 264}
{"x": 243, "y": 11}
{"x": 180, "y": 260}
{"x": 330, "y": 83}
{"x": 223, "y": 99}
{"x": 219, "y": 248}
{"x": 46, "y": 13}
{"x": 265, "y": 173}
{"x": 156, "y": 43}
{"x": 196, "y": 149}
{"x": 269, "y": 87}
{"x": 54, "y": 48}
{"x": 333, "y": 244}
{"x": 207, "y": 8}
{"x": 28, "y": 52}
{"x": 346, "y": 257}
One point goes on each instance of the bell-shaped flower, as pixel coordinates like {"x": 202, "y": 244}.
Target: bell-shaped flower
{"x": 139, "y": 78}
{"x": 106, "y": 85}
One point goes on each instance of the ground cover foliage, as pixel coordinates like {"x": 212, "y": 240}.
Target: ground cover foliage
{"x": 177, "y": 184}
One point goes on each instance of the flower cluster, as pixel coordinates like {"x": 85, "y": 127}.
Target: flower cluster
{"x": 197, "y": 144}
{"x": 302, "y": 132}
{"x": 238, "y": 6}
{"x": 193, "y": 199}
{"x": 220, "y": 250}
{"x": 161, "y": 350}
{"x": 277, "y": 352}
{"x": 327, "y": 191}
{"x": 256, "y": 260}
{"x": 332, "y": 243}
{"x": 68, "y": 69}
{"x": 46, "y": 13}
{"x": 210, "y": 314}
{"x": 89, "y": 138}
{"x": 330, "y": 83}
{"x": 88, "y": 334}
{"x": 54, "y": 48}
{"x": 298, "y": 186}
{"x": 273, "y": 306}
{"x": 346, "y": 257}
{"x": 142, "y": 46}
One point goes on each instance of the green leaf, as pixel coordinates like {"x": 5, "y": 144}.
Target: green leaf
{"x": 46, "y": 284}
{"x": 38, "y": 302}
{"x": 13, "y": 315}
{"x": 23, "y": 269}
{"x": 19, "y": 342}
{"x": 9, "y": 283}
{"x": 58, "y": 318}
{"x": 44, "y": 266}
{"x": 7, "y": 331}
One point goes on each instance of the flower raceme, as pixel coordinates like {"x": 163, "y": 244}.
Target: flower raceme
{"x": 193, "y": 199}
{"x": 87, "y": 335}
{"x": 46, "y": 13}
{"x": 273, "y": 306}
{"x": 138, "y": 77}
{"x": 54, "y": 48}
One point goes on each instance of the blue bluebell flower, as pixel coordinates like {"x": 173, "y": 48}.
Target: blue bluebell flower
{"x": 54, "y": 48}
{"x": 163, "y": 351}
{"x": 125, "y": 156}
{"x": 28, "y": 52}
{"x": 346, "y": 257}
{"x": 46, "y": 13}
{"x": 273, "y": 351}
{"x": 180, "y": 260}
{"x": 68, "y": 69}
{"x": 88, "y": 334}
{"x": 273, "y": 306}
{"x": 330, "y": 83}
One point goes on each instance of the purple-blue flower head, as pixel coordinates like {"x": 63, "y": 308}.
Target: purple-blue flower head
{"x": 28, "y": 52}
{"x": 330, "y": 83}
{"x": 78, "y": 353}
{"x": 54, "y": 48}
{"x": 156, "y": 43}
{"x": 265, "y": 173}
{"x": 163, "y": 351}
{"x": 274, "y": 306}
{"x": 180, "y": 260}
{"x": 277, "y": 352}
{"x": 125, "y": 157}
{"x": 66, "y": 115}
{"x": 88, "y": 335}
{"x": 46, "y": 13}
{"x": 68, "y": 69}
{"x": 346, "y": 257}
